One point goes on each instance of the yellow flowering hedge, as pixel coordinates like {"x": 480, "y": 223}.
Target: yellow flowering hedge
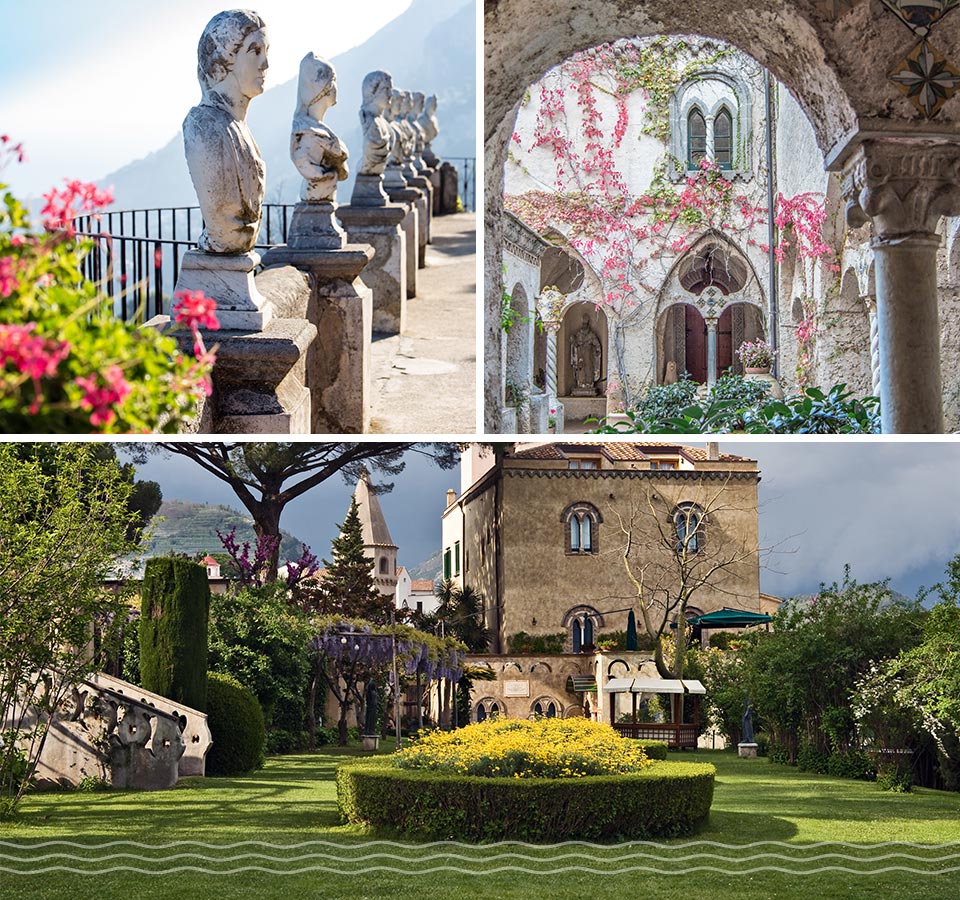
{"x": 522, "y": 748}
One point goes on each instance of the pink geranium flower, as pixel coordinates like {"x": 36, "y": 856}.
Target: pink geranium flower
{"x": 196, "y": 310}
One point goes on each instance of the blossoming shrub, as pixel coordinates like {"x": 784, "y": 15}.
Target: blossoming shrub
{"x": 67, "y": 365}
{"x": 520, "y": 748}
{"x": 663, "y": 799}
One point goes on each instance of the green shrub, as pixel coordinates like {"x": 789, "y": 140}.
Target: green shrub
{"x": 175, "y": 606}
{"x": 851, "y": 765}
{"x": 654, "y": 749}
{"x": 236, "y": 725}
{"x": 810, "y": 759}
{"x": 763, "y": 744}
{"x": 618, "y": 640}
{"x": 521, "y": 642}
{"x": 281, "y": 741}
{"x": 666, "y": 799}
{"x": 779, "y": 754}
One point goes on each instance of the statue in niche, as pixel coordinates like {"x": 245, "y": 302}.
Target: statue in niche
{"x": 319, "y": 155}
{"x": 428, "y": 122}
{"x": 377, "y": 133}
{"x": 670, "y": 377}
{"x": 586, "y": 359}
{"x": 225, "y": 165}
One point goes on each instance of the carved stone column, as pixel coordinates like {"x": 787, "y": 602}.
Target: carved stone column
{"x": 711, "y": 351}
{"x": 871, "y": 305}
{"x": 903, "y": 187}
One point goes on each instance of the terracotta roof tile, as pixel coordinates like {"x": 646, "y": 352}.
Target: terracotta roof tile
{"x": 421, "y": 584}
{"x": 624, "y": 451}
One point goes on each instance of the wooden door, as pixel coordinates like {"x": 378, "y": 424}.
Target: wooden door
{"x": 696, "y": 344}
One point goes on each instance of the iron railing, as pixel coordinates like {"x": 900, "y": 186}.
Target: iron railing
{"x": 136, "y": 254}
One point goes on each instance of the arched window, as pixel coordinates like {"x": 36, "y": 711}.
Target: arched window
{"x": 581, "y": 521}
{"x": 545, "y": 707}
{"x": 723, "y": 139}
{"x": 488, "y": 708}
{"x": 688, "y": 520}
{"x": 383, "y": 565}
{"x": 696, "y": 138}
{"x": 577, "y": 636}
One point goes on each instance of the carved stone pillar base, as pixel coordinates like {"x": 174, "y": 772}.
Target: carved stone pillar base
{"x": 386, "y": 275}
{"x": 435, "y": 183}
{"x": 314, "y": 226}
{"x": 449, "y": 188}
{"x": 416, "y": 198}
{"x": 423, "y": 183}
{"x": 229, "y": 281}
{"x": 341, "y": 308}
{"x": 411, "y": 231}
{"x": 368, "y": 191}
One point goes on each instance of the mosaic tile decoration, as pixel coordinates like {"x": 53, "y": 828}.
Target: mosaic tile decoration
{"x": 927, "y": 78}
{"x": 920, "y": 15}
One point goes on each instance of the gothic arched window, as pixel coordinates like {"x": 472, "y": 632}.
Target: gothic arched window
{"x": 723, "y": 139}
{"x": 689, "y": 522}
{"x": 581, "y": 521}
{"x": 696, "y": 138}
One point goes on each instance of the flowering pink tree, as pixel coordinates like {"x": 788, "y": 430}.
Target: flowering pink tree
{"x": 254, "y": 570}
{"x": 631, "y": 239}
{"x": 66, "y": 364}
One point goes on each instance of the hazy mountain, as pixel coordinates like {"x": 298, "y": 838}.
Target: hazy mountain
{"x": 429, "y": 569}
{"x": 182, "y": 526}
{"x": 431, "y": 47}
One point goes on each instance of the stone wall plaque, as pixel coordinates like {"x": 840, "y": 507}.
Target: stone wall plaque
{"x": 516, "y": 689}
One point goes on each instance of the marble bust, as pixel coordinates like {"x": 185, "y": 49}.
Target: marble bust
{"x": 318, "y": 154}
{"x": 225, "y": 165}
{"x": 377, "y": 134}
{"x": 428, "y": 122}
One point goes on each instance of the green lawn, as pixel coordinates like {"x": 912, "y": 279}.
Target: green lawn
{"x": 292, "y": 801}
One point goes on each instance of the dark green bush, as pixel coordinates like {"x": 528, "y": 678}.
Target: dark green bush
{"x": 777, "y": 753}
{"x": 654, "y": 749}
{"x": 810, "y": 759}
{"x": 668, "y": 799}
{"x": 521, "y": 642}
{"x": 851, "y": 765}
{"x": 619, "y": 638}
{"x": 236, "y": 725}
{"x": 281, "y": 741}
{"x": 175, "y": 605}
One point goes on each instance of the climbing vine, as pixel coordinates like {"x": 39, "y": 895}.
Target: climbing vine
{"x": 630, "y": 240}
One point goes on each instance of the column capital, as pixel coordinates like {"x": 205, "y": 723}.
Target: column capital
{"x": 904, "y": 186}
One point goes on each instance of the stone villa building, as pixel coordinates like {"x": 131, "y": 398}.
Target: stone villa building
{"x": 538, "y": 531}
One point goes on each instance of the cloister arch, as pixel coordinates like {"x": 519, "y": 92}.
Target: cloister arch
{"x": 834, "y": 58}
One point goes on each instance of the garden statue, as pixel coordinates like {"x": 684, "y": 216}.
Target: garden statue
{"x": 415, "y": 115}
{"x": 372, "y": 707}
{"x": 671, "y": 377}
{"x": 225, "y": 165}
{"x": 376, "y": 130}
{"x": 318, "y": 154}
{"x": 585, "y": 357}
{"x": 428, "y": 122}
{"x": 227, "y": 170}
{"x": 746, "y": 724}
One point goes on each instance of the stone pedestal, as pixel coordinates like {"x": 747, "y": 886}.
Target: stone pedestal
{"x": 449, "y": 188}
{"x": 341, "y": 308}
{"x": 382, "y": 228}
{"x": 747, "y": 750}
{"x": 422, "y": 183}
{"x": 539, "y": 412}
{"x": 435, "y": 183}
{"x": 228, "y": 279}
{"x": 370, "y": 742}
{"x": 773, "y": 386}
{"x": 368, "y": 191}
{"x": 418, "y": 200}
{"x": 314, "y": 225}
{"x": 411, "y": 231}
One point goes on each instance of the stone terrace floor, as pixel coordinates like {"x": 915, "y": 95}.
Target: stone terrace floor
{"x": 424, "y": 380}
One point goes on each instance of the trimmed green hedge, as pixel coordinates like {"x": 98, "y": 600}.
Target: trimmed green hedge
{"x": 668, "y": 799}
{"x": 236, "y": 726}
{"x": 654, "y": 749}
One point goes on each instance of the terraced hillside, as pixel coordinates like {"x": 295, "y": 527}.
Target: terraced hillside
{"x": 182, "y": 526}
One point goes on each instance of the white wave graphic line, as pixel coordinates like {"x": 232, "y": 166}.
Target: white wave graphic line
{"x": 486, "y": 860}
{"x": 429, "y": 845}
{"x": 486, "y": 872}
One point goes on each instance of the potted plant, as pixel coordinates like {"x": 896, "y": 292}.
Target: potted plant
{"x": 756, "y": 357}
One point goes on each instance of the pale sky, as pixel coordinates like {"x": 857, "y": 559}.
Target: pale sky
{"x": 89, "y": 87}
{"x": 888, "y": 508}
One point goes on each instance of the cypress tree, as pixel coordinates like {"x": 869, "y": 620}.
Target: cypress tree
{"x": 175, "y": 606}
